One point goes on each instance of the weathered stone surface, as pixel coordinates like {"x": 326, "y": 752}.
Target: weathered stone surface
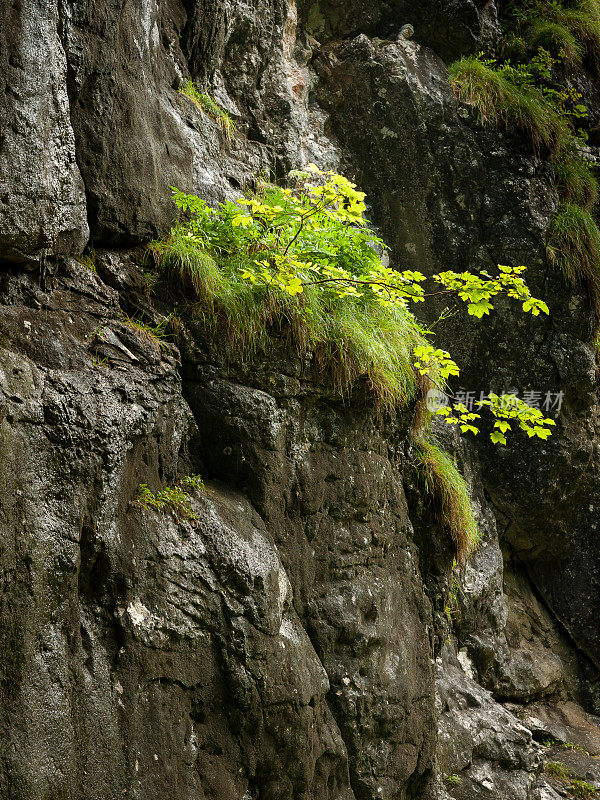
{"x": 486, "y": 747}
{"x": 137, "y": 136}
{"x": 564, "y": 722}
{"x": 449, "y": 194}
{"x": 42, "y": 200}
{"x": 450, "y": 28}
{"x": 336, "y": 507}
{"x": 140, "y": 656}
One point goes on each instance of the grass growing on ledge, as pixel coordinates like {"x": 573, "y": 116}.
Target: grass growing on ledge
{"x": 574, "y": 179}
{"x": 451, "y": 495}
{"x": 583, "y": 21}
{"x": 354, "y": 338}
{"x": 556, "y": 37}
{"x": 574, "y": 246}
{"x": 210, "y": 107}
{"x": 518, "y": 95}
{"x": 501, "y": 101}
{"x": 568, "y": 33}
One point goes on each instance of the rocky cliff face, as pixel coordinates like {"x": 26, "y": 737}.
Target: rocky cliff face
{"x": 288, "y": 642}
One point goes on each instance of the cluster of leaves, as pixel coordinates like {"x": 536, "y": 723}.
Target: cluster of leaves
{"x": 173, "y": 499}
{"x": 304, "y": 256}
{"x": 507, "y": 409}
{"x": 210, "y": 107}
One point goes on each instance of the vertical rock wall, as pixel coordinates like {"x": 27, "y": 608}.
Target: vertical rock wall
{"x": 285, "y": 644}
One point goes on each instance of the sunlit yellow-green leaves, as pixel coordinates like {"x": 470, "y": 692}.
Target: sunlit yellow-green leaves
{"x": 505, "y": 408}
{"x": 313, "y": 234}
{"x": 428, "y": 355}
{"x": 478, "y": 290}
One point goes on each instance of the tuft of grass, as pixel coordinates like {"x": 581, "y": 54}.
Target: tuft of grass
{"x": 453, "y": 780}
{"x": 557, "y": 38}
{"x": 451, "y": 493}
{"x": 173, "y": 499}
{"x": 353, "y": 341}
{"x": 574, "y": 246}
{"x": 575, "y": 181}
{"x": 583, "y": 21}
{"x": 210, "y": 107}
{"x": 500, "y": 101}
{"x": 153, "y": 333}
{"x": 568, "y": 33}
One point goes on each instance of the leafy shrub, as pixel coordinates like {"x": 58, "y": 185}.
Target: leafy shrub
{"x": 300, "y": 263}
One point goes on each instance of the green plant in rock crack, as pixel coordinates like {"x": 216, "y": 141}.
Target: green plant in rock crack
{"x": 302, "y": 262}
{"x": 172, "y": 499}
{"x": 210, "y": 107}
{"x": 299, "y": 263}
{"x": 153, "y": 333}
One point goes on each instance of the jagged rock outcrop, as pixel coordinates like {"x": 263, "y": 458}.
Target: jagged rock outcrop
{"x": 42, "y": 200}
{"x": 282, "y": 644}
